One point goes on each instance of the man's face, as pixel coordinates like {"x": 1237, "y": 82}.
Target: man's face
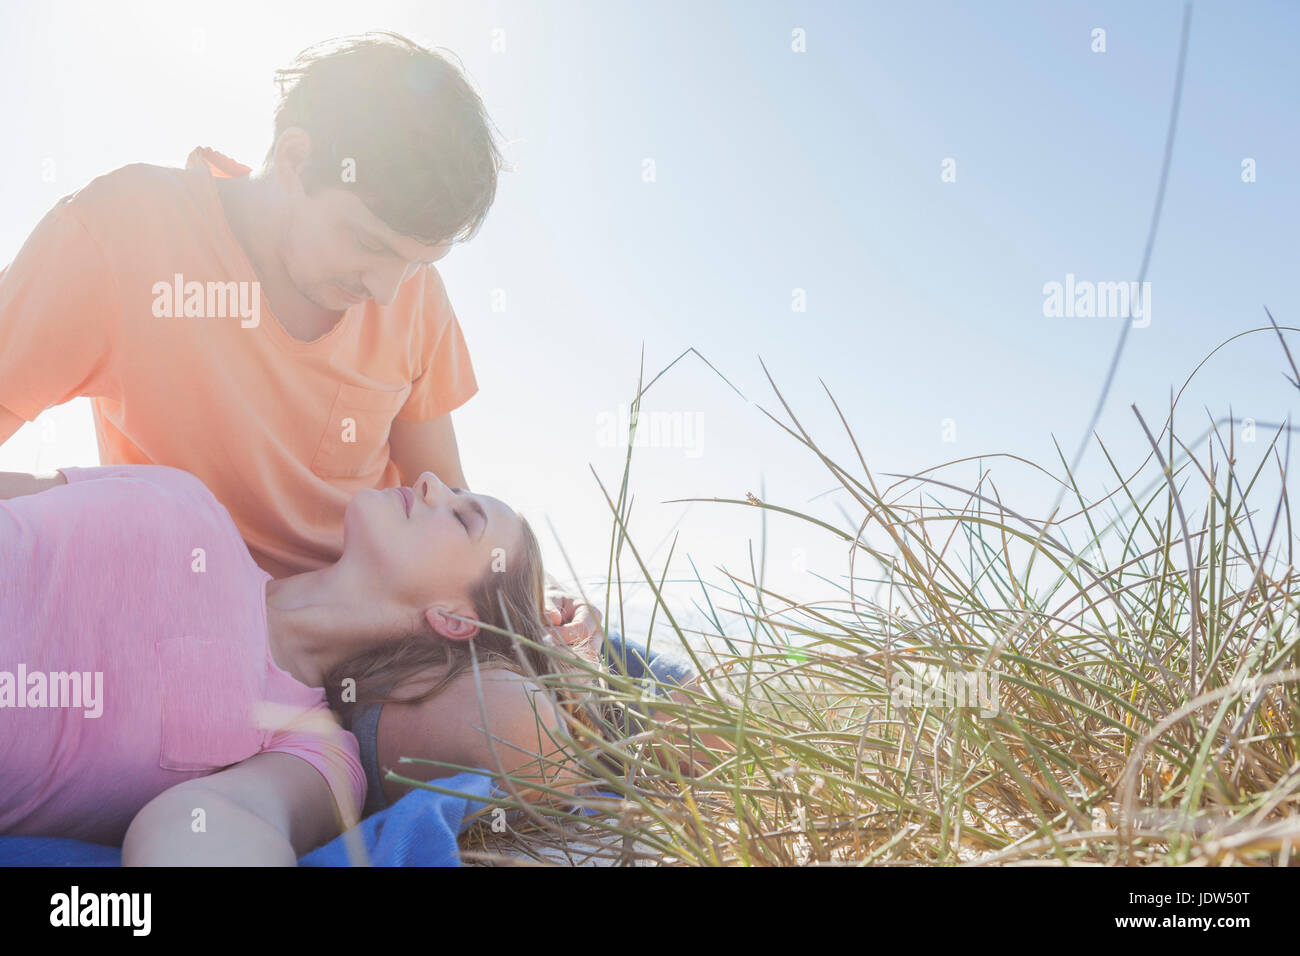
{"x": 338, "y": 253}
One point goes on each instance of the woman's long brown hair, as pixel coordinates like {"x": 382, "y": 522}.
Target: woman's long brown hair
{"x": 511, "y": 599}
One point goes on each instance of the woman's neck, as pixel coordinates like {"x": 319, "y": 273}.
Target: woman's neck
{"x": 319, "y": 619}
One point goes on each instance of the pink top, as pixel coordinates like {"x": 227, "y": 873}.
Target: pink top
{"x": 138, "y": 574}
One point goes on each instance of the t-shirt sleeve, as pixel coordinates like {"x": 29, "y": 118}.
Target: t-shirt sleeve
{"x": 58, "y": 303}
{"x": 446, "y": 380}
{"x": 317, "y": 738}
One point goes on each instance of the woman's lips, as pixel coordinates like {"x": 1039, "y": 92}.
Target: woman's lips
{"x": 408, "y": 499}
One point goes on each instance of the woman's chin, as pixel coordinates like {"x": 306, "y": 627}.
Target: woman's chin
{"x": 360, "y": 516}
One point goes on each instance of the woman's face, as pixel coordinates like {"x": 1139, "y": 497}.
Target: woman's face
{"x": 429, "y": 545}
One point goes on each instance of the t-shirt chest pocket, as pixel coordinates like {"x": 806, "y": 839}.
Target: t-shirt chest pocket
{"x": 209, "y": 697}
{"x": 355, "y": 442}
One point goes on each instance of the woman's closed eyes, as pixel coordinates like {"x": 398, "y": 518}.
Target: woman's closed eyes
{"x": 477, "y": 509}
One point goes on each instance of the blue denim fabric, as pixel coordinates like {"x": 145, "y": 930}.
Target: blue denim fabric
{"x": 633, "y": 659}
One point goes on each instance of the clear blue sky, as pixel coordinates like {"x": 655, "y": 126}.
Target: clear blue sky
{"x": 775, "y": 170}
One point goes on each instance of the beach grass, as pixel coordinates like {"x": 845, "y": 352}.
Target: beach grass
{"x": 1115, "y": 683}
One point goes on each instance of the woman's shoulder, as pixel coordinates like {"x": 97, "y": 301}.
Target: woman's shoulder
{"x": 509, "y": 704}
{"x": 157, "y": 483}
{"x": 162, "y": 476}
{"x": 499, "y": 719}
{"x": 494, "y": 685}
{"x": 161, "y": 490}
{"x": 155, "y": 513}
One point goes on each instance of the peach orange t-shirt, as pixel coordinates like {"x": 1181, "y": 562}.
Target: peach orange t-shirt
{"x": 282, "y": 431}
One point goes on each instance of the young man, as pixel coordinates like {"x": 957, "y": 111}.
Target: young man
{"x": 284, "y": 337}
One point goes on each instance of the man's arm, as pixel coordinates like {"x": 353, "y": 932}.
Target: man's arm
{"x": 60, "y": 319}
{"x": 266, "y": 811}
{"x": 417, "y": 447}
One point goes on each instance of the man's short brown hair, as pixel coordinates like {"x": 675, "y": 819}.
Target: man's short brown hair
{"x": 419, "y": 140}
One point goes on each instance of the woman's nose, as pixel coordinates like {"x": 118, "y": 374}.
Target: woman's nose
{"x": 430, "y": 488}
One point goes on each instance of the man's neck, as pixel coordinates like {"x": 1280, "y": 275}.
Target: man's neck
{"x": 253, "y": 213}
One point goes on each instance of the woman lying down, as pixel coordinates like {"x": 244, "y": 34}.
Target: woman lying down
{"x": 201, "y": 682}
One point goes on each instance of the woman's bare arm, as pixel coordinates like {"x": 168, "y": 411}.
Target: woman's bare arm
{"x": 15, "y": 484}
{"x": 266, "y": 811}
{"x": 680, "y": 742}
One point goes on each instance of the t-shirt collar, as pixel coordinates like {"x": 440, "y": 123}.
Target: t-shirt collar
{"x": 219, "y": 165}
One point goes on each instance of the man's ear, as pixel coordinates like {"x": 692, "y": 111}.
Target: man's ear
{"x": 293, "y": 149}
{"x": 450, "y": 627}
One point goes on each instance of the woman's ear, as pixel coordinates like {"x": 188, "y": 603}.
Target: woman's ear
{"x": 453, "y": 629}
